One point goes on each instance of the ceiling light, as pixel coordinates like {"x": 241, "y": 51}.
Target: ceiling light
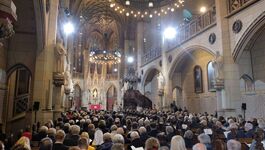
{"x": 150, "y": 15}
{"x": 127, "y": 14}
{"x": 203, "y": 9}
{"x": 115, "y": 70}
{"x": 150, "y": 4}
{"x": 172, "y": 9}
{"x": 130, "y": 59}
{"x": 68, "y": 28}
{"x": 127, "y": 2}
{"x": 170, "y": 33}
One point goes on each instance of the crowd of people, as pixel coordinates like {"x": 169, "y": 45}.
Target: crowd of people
{"x": 132, "y": 130}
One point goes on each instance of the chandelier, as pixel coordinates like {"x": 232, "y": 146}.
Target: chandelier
{"x": 147, "y": 8}
{"x": 105, "y": 56}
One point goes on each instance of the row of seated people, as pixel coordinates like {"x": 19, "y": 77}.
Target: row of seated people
{"x": 179, "y": 130}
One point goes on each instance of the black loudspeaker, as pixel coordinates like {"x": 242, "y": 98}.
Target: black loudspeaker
{"x": 244, "y": 106}
{"x": 36, "y": 106}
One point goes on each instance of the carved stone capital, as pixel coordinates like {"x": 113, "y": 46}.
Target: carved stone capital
{"x": 58, "y": 79}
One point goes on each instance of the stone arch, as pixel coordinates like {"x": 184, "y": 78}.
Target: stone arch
{"x": 111, "y": 95}
{"x": 18, "y": 96}
{"x": 77, "y": 100}
{"x": 249, "y": 37}
{"x": 147, "y": 72}
{"x": 184, "y": 52}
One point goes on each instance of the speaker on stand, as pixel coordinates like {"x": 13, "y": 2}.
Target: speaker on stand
{"x": 244, "y": 108}
{"x": 36, "y": 107}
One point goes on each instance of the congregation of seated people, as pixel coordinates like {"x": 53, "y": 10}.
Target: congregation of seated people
{"x": 132, "y": 130}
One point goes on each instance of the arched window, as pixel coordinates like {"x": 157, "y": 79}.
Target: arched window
{"x": 210, "y": 76}
{"x": 198, "y": 85}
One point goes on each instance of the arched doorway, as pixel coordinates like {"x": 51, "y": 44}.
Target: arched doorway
{"x": 77, "y": 98}
{"x": 111, "y": 97}
{"x": 18, "y": 98}
{"x": 189, "y": 78}
{"x": 151, "y": 87}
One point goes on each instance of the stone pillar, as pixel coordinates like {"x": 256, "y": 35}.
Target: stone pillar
{"x": 44, "y": 66}
{"x": 58, "y": 81}
{"x": 231, "y": 94}
{"x": 140, "y": 49}
{"x": 2, "y": 80}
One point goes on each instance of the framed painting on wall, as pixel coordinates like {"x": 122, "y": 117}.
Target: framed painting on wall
{"x": 198, "y": 85}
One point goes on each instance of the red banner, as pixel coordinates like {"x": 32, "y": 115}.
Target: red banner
{"x": 95, "y": 107}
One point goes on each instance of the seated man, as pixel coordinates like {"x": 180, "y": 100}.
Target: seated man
{"x": 136, "y": 141}
{"x": 233, "y": 145}
{"x": 59, "y": 138}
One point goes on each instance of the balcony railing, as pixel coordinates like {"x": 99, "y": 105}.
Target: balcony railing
{"x": 235, "y": 6}
{"x": 151, "y": 55}
{"x": 185, "y": 33}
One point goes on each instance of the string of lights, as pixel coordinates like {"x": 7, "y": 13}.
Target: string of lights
{"x": 150, "y": 10}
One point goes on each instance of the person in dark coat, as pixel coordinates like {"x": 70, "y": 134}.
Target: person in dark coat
{"x": 107, "y": 142}
{"x": 136, "y": 141}
{"x": 72, "y": 140}
{"x": 154, "y": 131}
{"x": 59, "y": 138}
{"x": 143, "y": 134}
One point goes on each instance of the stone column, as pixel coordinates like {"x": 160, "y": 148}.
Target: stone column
{"x": 3, "y": 79}
{"x": 139, "y": 48}
{"x": 231, "y": 94}
{"x": 44, "y": 65}
{"x": 58, "y": 81}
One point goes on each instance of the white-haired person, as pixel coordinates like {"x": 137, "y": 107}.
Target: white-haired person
{"x": 199, "y": 146}
{"x": 72, "y": 140}
{"x": 188, "y": 138}
{"x": 206, "y": 140}
{"x": 152, "y": 144}
{"x": 249, "y": 131}
{"x": 177, "y": 143}
{"x": 235, "y": 133}
{"x": 233, "y": 145}
{"x": 135, "y": 141}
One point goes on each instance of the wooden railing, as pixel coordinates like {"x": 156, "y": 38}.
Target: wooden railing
{"x": 151, "y": 55}
{"x": 235, "y": 6}
{"x": 185, "y": 33}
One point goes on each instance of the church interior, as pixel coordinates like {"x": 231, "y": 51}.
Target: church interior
{"x": 184, "y": 64}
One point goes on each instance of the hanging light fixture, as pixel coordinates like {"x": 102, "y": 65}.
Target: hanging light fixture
{"x": 150, "y": 4}
{"x": 127, "y": 2}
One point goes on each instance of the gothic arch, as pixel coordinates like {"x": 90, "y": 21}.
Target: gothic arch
{"x": 147, "y": 73}
{"x": 183, "y": 53}
{"x": 249, "y": 37}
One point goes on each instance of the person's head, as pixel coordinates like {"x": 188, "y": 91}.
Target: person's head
{"x": 233, "y": 145}
{"x": 248, "y": 126}
{"x": 204, "y": 138}
{"x": 169, "y": 129}
{"x": 177, "y": 143}
{"x": 83, "y": 143}
{"x": 152, "y": 144}
{"x": 75, "y": 129}
{"x": 51, "y": 132}
{"x": 2, "y": 146}
{"x": 107, "y": 137}
{"x": 120, "y": 131}
{"x": 59, "y": 136}
{"x": 199, "y": 146}
{"x": 84, "y": 135}
{"x": 142, "y": 130}
{"x": 113, "y": 128}
{"x": 46, "y": 144}
{"x": 43, "y": 129}
{"x": 118, "y": 138}
{"x": 188, "y": 134}
{"x": 134, "y": 135}
{"x": 117, "y": 146}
